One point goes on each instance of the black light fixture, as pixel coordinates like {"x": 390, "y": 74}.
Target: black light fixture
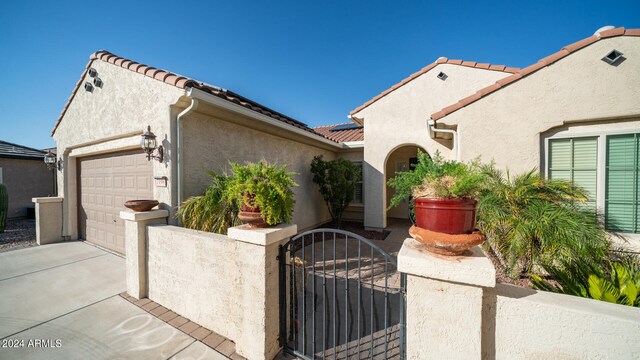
{"x": 149, "y": 144}
{"x": 50, "y": 160}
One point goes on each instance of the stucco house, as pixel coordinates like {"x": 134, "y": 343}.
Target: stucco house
{"x": 578, "y": 104}
{"x": 26, "y": 176}
{"x": 574, "y": 114}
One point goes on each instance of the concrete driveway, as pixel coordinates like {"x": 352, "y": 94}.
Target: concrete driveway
{"x": 61, "y": 301}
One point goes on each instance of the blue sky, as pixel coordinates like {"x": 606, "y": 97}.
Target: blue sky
{"x": 312, "y": 60}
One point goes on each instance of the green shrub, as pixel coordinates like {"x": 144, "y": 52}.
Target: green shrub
{"x": 211, "y": 211}
{"x": 269, "y": 187}
{"x": 336, "y": 180}
{"x": 530, "y": 221}
{"x": 437, "y": 178}
{"x": 615, "y": 281}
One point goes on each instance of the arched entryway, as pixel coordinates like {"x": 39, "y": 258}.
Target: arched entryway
{"x": 399, "y": 159}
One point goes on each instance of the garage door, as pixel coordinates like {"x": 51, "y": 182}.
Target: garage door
{"x": 105, "y": 183}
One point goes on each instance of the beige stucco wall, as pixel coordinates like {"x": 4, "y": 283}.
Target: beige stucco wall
{"x": 220, "y": 283}
{"x": 400, "y": 118}
{"x": 578, "y": 88}
{"x": 526, "y": 324}
{"x": 111, "y": 119}
{"x": 25, "y": 179}
{"x": 211, "y": 142}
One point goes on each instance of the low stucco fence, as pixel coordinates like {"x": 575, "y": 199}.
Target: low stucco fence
{"x": 455, "y": 309}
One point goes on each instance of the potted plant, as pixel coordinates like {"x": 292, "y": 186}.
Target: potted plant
{"x": 262, "y": 192}
{"x": 444, "y": 197}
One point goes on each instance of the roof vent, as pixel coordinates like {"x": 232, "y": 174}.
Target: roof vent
{"x": 613, "y": 57}
{"x": 88, "y": 87}
{"x": 604, "y": 28}
{"x": 97, "y": 82}
{"x": 442, "y": 76}
{"x": 93, "y": 72}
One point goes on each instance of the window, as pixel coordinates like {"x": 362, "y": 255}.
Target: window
{"x": 622, "y": 202}
{"x": 358, "y": 197}
{"x": 576, "y": 160}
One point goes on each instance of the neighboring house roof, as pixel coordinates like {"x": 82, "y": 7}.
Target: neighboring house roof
{"x": 345, "y": 132}
{"x": 502, "y": 83}
{"x": 15, "y": 151}
{"x": 181, "y": 82}
{"x": 442, "y": 60}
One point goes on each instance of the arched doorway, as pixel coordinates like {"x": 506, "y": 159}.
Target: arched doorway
{"x": 400, "y": 159}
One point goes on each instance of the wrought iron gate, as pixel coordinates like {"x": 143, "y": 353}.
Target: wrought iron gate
{"x": 341, "y": 297}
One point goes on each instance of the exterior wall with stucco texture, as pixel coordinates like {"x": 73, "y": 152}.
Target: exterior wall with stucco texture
{"x": 210, "y": 143}
{"x": 506, "y": 126}
{"x": 214, "y": 281}
{"x": 111, "y": 118}
{"x": 400, "y": 118}
{"x": 25, "y": 179}
{"x": 526, "y": 324}
{"x": 398, "y": 157}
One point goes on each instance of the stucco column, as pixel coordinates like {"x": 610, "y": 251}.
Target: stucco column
{"x": 444, "y": 302}
{"x": 135, "y": 239}
{"x": 260, "y": 328}
{"x": 48, "y": 220}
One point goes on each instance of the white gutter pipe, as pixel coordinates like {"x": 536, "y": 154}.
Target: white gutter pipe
{"x": 431, "y": 124}
{"x": 179, "y": 155}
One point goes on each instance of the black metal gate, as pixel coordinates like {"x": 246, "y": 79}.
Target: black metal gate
{"x": 341, "y": 297}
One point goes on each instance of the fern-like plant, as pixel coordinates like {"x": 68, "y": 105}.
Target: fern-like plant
{"x": 212, "y": 211}
{"x": 437, "y": 178}
{"x": 264, "y": 186}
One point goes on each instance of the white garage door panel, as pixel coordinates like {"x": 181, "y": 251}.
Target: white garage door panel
{"x": 105, "y": 183}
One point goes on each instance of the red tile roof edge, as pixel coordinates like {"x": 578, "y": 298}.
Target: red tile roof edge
{"x": 180, "y": 82}
{"x": 426, "y": 69}
{"x": 346, "y": 135}
{"x": 542, "y": 63}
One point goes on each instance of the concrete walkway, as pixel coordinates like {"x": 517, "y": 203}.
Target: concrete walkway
{"x": 61, "y": 301}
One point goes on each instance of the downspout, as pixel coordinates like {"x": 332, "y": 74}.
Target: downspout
{"x": 431, "y": 124}
{"x": 179, "y": 155}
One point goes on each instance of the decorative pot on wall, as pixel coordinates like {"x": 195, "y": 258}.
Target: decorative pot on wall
{"x": 141, "y": 205}
{"x": 251, "y": 216}
{"x": 446, "y": 226}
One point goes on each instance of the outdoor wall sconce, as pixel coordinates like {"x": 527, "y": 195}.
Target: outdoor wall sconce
{"x": 51, "y": 161}
{"x": 93, "y": 72}
{"x": 97, "y": 82}
{"x": 149, "y": 144}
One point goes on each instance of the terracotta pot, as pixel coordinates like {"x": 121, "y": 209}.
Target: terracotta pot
{"x": 446, "y": 244}
{"x": 251, "y": 215}
{"x": 141, "y": 205}
{"x": 448, "y": 216}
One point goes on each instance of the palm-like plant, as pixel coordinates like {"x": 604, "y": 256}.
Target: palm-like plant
{"x": 211, "y": 211}
{"x": 530, "y": 221}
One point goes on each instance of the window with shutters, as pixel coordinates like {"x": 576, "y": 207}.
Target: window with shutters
{"x": 357, "y": 196}
{"x": 576, "y": 160}
{"x": 622, "y": 202}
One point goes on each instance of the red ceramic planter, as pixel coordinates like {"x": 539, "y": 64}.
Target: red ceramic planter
{"x": 448, "y": 216}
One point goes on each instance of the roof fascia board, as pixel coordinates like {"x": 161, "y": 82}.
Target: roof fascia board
{"x": 228, "y": 105}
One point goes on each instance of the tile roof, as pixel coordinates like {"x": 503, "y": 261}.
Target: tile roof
{"x": 533, "y": 68}
{"x": 442, "y": 60}
{"x": 181, "y": 82}
{"x": 10, "y": 150}
{"x": 347, "y": 135}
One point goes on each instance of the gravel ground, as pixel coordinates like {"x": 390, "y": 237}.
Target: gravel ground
{"x": 18, "y": 234}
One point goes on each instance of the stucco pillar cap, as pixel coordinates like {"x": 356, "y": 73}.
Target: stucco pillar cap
{"x": 131, "y": 215}
{"x": 473, "y": 269}
{"x": 262, "y": 236}
{"x": 42, "y": 200}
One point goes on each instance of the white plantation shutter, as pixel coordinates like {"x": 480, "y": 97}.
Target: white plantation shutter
{"x": 576, "y": 160}
{"x": 622, "y": 211}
